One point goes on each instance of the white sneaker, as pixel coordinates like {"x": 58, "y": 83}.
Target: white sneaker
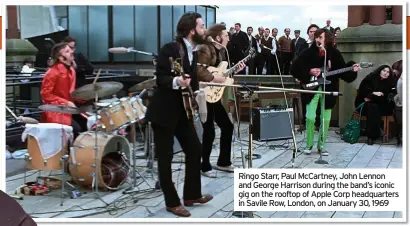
{"x": 225, "y": 168}
{"x": 307, "y": 151}
{"x": 210, "y": 174}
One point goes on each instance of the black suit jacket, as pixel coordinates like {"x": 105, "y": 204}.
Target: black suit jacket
{"x": 297, "y": 48}
{"x": 84, "y": 67}
{"x": 166, "y": 105}
{"x": 240, "y": 44}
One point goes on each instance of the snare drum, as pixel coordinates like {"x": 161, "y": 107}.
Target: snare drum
{"x": 139, "y": 108}
{"x": 46, "y": 145}
{"x": 113, "y": 160}
{"x": 117, "y": 115}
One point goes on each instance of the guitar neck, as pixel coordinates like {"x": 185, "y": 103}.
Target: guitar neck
{"x": 236, "y": 66}
{"x": 338, "y": 71}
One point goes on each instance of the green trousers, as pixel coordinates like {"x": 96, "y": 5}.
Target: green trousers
{"x": 310, "y": 122}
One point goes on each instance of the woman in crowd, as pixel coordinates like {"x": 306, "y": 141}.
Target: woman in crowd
{"x": 374, "y": 91}
{"x": 398, "y": 99}
{"x": 335, "y": 34}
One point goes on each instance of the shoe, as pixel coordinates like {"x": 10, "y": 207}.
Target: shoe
{"x": 307, "y": 151}
{"x": 210, "y": 174}
{"x": 225, "y": 168}
{"x": 179, "y": 211}
{"x": 370, "y": 141}
{"x": 324, "y": 152}
{"x": 204, "y": 199}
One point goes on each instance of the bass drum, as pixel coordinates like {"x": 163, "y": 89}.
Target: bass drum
{"x": 113, "y": 160}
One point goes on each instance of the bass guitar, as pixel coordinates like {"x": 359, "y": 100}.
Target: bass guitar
{"x": 190, "y": 104}
{"x": 319, "y": 80}
{"x": 215, "y": 93}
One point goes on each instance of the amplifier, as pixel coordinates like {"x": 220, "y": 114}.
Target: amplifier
{"x": 270, "y": 123}
{"x": 199, "y": 132}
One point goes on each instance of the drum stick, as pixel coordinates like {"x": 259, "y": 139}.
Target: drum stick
{"x": 12, "y": 113}
{"x": 96, "y": 77}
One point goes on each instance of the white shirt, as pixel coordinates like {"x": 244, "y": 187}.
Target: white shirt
{"x": 190, "y": 51}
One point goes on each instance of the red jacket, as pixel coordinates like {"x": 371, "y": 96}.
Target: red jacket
{"x": 56, "y": 88}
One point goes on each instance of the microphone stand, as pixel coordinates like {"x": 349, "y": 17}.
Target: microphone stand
{"x": 295, "y": 144}
{"x": 320, "y": 160}
{"x": 150, "y": 151}
{"x": 250, "y": 89}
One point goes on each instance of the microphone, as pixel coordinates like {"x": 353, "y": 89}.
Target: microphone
{"x": 119, "y": 50}
{"x": 202, "y": 109}
{"x": 123, "y": 50}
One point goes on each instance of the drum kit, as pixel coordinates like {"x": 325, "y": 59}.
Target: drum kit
{"x": 98, "y": 158}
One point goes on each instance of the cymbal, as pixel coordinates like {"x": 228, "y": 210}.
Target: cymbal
{"x": 60, "y": 109}
{"x": 147, "y": 84}
{"x": 103, "y": 89}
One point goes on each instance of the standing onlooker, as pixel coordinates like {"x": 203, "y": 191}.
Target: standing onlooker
{"x": 285, "y": 51}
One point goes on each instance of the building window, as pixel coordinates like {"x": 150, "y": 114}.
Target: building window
{"x": 210, "y": 16}
{"x": 123, "y": 30}
{"x": 202, "y": 10}
{"x": 78, "y": 27}
{"x": 98, "y": 33}
{"x": 146, "y": 31}
{"x": 178, "y": 13}
{"x": 190, "y": 8}
{"x": 165, "y": 24}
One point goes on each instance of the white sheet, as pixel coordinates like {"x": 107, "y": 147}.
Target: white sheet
{"x": 49, "y": 137}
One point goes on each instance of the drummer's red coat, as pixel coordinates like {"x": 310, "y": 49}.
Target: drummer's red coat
{"x": 56, "y": 88}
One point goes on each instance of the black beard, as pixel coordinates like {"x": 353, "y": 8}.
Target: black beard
{"x": 198, "y": 39}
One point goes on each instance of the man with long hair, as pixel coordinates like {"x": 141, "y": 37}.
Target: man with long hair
{"x": 168, "y": 116}
{"x": 311, "y": 63}
{"x": 57, "y": 86}
{"x": 211, "y": 54}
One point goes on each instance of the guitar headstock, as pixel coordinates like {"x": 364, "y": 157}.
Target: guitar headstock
{"x": 366, "y": 64}
{"x": 176, "y": 66}
{"x": 252, "y": 52}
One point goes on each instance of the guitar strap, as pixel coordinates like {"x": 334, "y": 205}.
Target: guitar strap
{"x": 181, "y": 54}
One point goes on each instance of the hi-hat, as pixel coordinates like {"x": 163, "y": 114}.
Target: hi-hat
{"x": 148, "y": 84}
{"x": 102, "y": 89}
{"x": 60, "y": 109}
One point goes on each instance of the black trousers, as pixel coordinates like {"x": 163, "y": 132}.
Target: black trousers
{"x": 268, "y": 60}
{"x": 374, "y": 111}
{"x": 217, "y": 113}
{"x": 191, "y": 146}
{"x": 285, "y": 59}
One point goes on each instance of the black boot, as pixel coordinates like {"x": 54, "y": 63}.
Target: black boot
{"x": 370, "y": 141}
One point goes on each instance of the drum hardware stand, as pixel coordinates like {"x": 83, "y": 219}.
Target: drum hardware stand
{"x": 133, "y": 187}
{"x": 63, "y": 181}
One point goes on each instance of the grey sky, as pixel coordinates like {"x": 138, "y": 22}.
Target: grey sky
{"x": 281, "y": 16}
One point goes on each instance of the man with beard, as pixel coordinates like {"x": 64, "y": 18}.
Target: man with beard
{"x": 57, "y": 86}
{"x": 211, "y": 54}
{"x": 169, "y": 118}
{"x": 311, "y": 63}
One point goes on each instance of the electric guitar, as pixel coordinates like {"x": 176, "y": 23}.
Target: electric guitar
{"x": 215, "y": 93}
{"x": 317, "y": 81}
{"x": 190, "y": 104}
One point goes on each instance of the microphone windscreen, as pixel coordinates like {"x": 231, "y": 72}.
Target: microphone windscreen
{"x": 119, "y": 50}
{"x": 202, "y": 109}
